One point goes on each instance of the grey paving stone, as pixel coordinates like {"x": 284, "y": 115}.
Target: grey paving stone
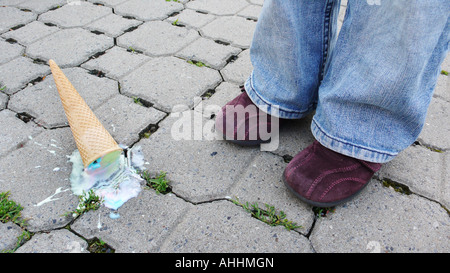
{"x": 204, "y": 169}
{"x": 42, "y": 100}
{"x": 191, "y": 18}
{"x": 124, "y": 119}
{"x": 446, "y": 185}
{"x": 30, "y": 33}
{"x": 41, "y": 185}
{"x": 15, "y": 133}
{"x": 421, "y": 170}
{"x": 144, "y": 222}
{"x": 442, "y": 89}
{"x": 9, "y": 234}
{"x": 169, "y": 81}
{"x": 11, "y": 3}
{"x": 257, "y": 2}
{"x": 113, "y": 25}
{"x": 158, "y": 38}
{"x": 17, "y": 73}
{"x": 109, "y": 3}
{"x": 209, "y": 52}
{"x": 9, "y": 51}
{"x": 75, "y": 15}
{"x": 251, "y": 12}
{"x": 224, "y": 227}
{"x": 295, "y": 136}
{"x": 262, "y": 183}
{"x": 69, "y": 47}
{"x": 3, "y": 100}
{"x": 116, "y": 62}
{"x": 11, "y": 17}
{"x": 382, "y": 220}
{"x": 148, "y": 10}
{"x": 437, "y": 128}
{"x": 41, "y": 6}
{"x": 224, "y": 93}
{"x": 218, "y": 7}
{"x": 239, "y": 70}
{"x": 234, "y": 30}
{"x": 56, "y": 241}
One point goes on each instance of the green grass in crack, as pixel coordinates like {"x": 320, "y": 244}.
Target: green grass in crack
{"x": 9, "y": 210}
{"x": 87, "y": 201}
{"x": 268, "y": 215}
{"x": 159, "y": 183}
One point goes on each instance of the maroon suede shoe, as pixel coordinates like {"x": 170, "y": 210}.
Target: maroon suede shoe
{"x": 241, "y": 122}
{"x": 324, "y": 178}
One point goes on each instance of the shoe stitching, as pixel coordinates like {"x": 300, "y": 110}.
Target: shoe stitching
{"x": 335, "y": 183}
{"x": 323, "y": 175}
{"x": 311, "y": 153}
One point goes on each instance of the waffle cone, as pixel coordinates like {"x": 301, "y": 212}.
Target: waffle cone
{"x": 92, "y": 139}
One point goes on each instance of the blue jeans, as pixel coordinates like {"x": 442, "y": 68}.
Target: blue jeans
{"x": 370, "y": 87}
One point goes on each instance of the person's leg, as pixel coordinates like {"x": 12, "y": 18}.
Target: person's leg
{"x": 380, "y": 79}
{"x": 288, "y": 52}
{"x": 373, "y": 99}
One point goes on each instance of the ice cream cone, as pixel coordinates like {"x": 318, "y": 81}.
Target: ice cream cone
{"x": 92, "y": 139}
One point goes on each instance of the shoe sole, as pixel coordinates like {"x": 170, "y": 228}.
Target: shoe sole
{"x": 321, "y": 204}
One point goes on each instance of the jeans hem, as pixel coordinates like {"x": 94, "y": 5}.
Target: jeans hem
{"x": 273, "y": 109}
{"x": 349, "y": 149}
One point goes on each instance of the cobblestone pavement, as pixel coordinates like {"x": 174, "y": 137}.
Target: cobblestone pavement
{"x": 133, "y": 61}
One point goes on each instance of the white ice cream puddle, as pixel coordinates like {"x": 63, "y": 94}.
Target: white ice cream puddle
{"x": 113, "y": 177}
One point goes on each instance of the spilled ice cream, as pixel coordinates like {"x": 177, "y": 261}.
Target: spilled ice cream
{"x": 99, "y": 163}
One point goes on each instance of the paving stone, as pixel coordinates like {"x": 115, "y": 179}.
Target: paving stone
{"x": 3, "y": 100}
{"x": 204, "y": 169}
{"x": 224, "y": 93}
{"x": 113, "y": 25}
{"x": 11, "y": 2}
{"x": 218, "y": 7}
{"x": 191, "y": 18}
{"x": 15, "y": 133}
{"x": 56, "y": 241}
{"x": 234, "y": 30}
{"x": 382, "y": 220}
{"x": 9, "y": 234}
{"x": 41, "y": 6}
{"x": 9, "y": 51}
{"x": 169, "y": 81}
{"x": 116, "y": 62}
{"x": 41, "y": 185}
{"x": 158, "y": 38}
{"x": 209, "y": 52}
{"x": 124, "y": 119}
{"x": 257, "y": 2}
{"x": 207, "y": 224}
{"x": 69, "y": 47}
{"x": 148, "y": 10}
{"x": 442, "y": 89}
{"x": 437, "y": 128}
{"x": 109, "y": 3}
{"x": 30, "y": 33}
{"x": 12, "y": 17}
{"x": 239, "y": 70}
{"x": 42, "y": 100}
{"x": 144, "y": 222}
{"x": 17, "y": 73}
{"x": 262, "y": 183}
{"x": 295, "y": 136}
{"x": 445, "y": 186}
{"x": 421, "y": 170}
{"x": 75, "y": 15}
{"x": 251, "y": 12}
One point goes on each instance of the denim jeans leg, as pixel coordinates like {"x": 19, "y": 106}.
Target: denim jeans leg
{"x": 380, "y": 77}
{"x": 288, "y": 53}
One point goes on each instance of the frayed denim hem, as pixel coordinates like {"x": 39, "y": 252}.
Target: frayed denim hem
{"x": 272, "y": 108}
{"x": 349, "y": 149}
